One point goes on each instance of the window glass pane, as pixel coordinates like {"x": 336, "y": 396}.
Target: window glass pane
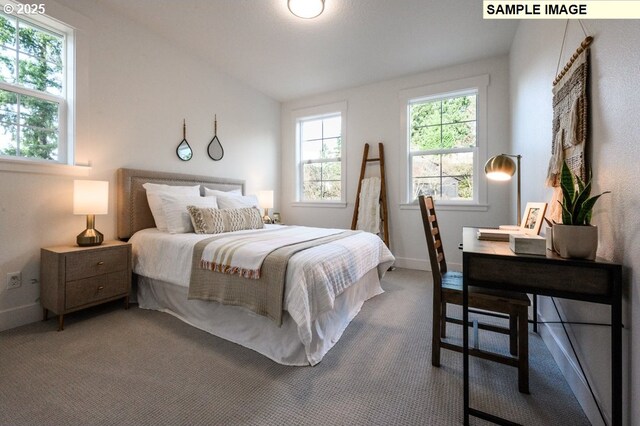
{"x": 457, "y": 173}
{"x": 311, "y": 150}
{"x": 456, "y": 110}
{"x": 331, "y": 171}
{"x": 8, "y": 123}
{"x": 332, "y": 127}
{"x": 425, "y": 114}
{"x": 38, "y": 113}
{"x": 37, "y": 143}
{"x": 332, "y": 148}
{"x": 331, "y": 190}
{"x": 426, "y": 138}
{"x": 311, "y": 130}
{"x": 462, "y": 135}
{"x": 40, "y": 65}
{"x": 312, "y": 172}
{"x": 426, "y": 186}
{"x": 425, "y": 166}
{"x": 7, "y": 65}
{"x": 8, "y": 107}
{"x": 312, "y": 191}
{"x": 7, "y": 31}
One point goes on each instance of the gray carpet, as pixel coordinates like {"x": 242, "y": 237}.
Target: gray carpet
{"x": 111, "y": 366}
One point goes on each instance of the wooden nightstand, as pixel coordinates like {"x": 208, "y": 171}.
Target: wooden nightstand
{"x": 74, "y": 278}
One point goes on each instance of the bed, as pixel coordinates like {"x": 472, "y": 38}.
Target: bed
{"x": 319, "y": 300}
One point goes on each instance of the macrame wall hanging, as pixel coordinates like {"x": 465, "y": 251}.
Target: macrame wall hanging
{"x": 570, "y": 118}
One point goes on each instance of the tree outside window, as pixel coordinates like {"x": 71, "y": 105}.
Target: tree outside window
{"x": 442, "y": 146}
{"x": 31, "y": 89}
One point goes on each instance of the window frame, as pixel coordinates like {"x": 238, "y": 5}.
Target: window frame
{"x": 307, "y": 114}
{"x": 476, "y": 85}
{"x": 65, "y": 101}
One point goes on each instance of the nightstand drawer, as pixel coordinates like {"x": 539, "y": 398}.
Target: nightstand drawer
{"x": 91, "y": 263}
{"x": 90, "y": 290}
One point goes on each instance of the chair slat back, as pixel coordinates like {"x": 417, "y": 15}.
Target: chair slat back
{"x": 432, "y": 235}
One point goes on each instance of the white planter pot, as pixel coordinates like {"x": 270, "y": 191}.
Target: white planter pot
{"x": 573, "y": 241}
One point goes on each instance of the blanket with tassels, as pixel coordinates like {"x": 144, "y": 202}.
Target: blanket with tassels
{"x": 249, "y": 269}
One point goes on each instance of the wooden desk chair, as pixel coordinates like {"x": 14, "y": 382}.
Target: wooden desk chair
{"x": 447, "y": 288}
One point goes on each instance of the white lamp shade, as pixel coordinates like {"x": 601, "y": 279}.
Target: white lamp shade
{"x": 306, "y": 9}
{"x": 265, "y": 199}
{"x": 90, "y": 197}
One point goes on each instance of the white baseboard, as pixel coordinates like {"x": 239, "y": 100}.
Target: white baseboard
{"x": 571, "y": 372}
{"x": 20, "y": 315}
{"x": 409, "y": 263}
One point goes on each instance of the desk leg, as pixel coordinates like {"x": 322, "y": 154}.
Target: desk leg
{"x": 465, "y": 345}
{"x": 535, "y": 313}
{"x": 616, "y": 354}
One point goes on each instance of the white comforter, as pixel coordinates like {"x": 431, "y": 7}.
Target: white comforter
{"x": 315, "y": 277}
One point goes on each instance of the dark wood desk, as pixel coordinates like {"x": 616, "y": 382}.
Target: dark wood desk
{"x": 491, "y": 264}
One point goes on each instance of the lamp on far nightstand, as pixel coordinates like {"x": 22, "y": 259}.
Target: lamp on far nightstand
{"x": 90, "y": 197}
{"x": 265, "y": 200}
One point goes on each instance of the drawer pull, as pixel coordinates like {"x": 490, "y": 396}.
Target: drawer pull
{"x": 100, "y": 288}
{"x": 100, "y": 263}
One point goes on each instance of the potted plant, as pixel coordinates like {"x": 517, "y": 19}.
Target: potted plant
{"x": 576, "y": 237}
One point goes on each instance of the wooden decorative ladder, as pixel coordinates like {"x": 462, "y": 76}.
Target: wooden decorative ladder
{"x": 383, "y": 191}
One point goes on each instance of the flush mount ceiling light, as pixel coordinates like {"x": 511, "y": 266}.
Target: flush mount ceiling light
{"x": 306, "y": 9}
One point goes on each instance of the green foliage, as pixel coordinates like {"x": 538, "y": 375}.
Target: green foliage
{"x": 441, "y": 125}
{"x": 34, "y": 130}
{"x": 577, "y": 205}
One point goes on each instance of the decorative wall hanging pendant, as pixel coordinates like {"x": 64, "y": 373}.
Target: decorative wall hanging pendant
{"x": 215, "y": 150}
{"x": 183, "y": 150}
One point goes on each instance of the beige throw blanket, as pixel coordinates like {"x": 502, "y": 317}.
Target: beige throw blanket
{"x": 264, "y": 296}
{"x": 243, "y": 254}
{"x": 369, "y": 207}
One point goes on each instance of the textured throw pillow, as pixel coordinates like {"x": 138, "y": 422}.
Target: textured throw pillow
{"x": 154, "y": 190}
{"x": 206, "y": 220}
{"x": 232, "y": 199}
{"x": 175, "y": 210}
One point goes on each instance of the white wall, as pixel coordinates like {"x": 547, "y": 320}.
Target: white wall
{"x": 615, "y": 62}
{"x": 373, "y": 115}
{"x": 134, "y": 89}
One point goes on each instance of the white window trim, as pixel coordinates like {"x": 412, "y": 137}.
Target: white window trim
{"x": 310, "y": 113}
{"x": 66, "y": 151}
{"x": 478, "y": 84}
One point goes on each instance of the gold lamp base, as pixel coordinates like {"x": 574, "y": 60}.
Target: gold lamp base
{"x": 90, "y": 236}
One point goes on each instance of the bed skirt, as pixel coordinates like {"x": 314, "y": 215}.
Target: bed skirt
{"x": 239, "y": 325}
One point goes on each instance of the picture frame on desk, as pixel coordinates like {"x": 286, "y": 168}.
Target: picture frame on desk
{"x": 533, "y": 218}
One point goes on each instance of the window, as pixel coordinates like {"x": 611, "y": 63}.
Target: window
{"x": 442, "y": 146}
{"x": 444, "y": 128}
{"x": 34, "y": 112}
{"x": 320, "y": 158}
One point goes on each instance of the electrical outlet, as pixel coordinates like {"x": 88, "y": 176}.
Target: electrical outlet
{"x": 14, "y": 280}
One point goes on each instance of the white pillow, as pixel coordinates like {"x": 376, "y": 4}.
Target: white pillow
{"x": 208, "y": 192}
{"x": 231, "y": 200}
{"x": 155, "y": 202}
{"x": 175, "y": 210}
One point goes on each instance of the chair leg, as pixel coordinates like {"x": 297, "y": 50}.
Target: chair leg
{"x": 435, "y": 334}
{"x": 443, "y": 323}
{"x": 513, "y": 333}
{"x": 523, "y": 351}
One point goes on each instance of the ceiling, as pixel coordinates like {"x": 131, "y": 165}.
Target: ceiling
{"x": 354, "y": 42}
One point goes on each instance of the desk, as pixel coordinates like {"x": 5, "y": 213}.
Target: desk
{"x": 491, "y": 264}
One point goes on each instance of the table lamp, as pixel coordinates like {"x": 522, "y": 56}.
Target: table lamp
{"x": 501, "y": 167}
{"x": 265, "y": 200}
{"x": 90, "y": 197}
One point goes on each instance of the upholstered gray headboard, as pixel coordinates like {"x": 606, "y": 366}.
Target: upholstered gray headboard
{"x": 133, "y": 210}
